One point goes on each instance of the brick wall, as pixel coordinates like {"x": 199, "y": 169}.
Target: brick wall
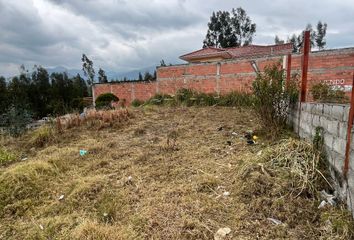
{"x": 334, "y": 67}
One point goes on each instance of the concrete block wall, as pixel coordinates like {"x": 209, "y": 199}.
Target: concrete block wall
{"x": 333, "y": 118}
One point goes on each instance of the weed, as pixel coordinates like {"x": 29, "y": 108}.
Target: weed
{"x": 324, "y": 93}
{"x": 6, "y": 157}
{"x": 42, "y": 136}
{"x": 272, "y": 98}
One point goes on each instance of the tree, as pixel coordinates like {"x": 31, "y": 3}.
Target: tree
{"x": 102, "y": 78}
{"x": 293, "y": 40}
{"x": 140, "y": 77}
{"x": 277, "y": 40}
{"x": 80, "y": 87}
{"x": 227, "y": 29}
{"x": 320, "y": 36}
{"x": 162, "y": 63}
{"x": 317, "y": 38}
{"x": 87, "y": 68}
{"x": 39, "y": 91}
{"x": 4, "y": 102}
{"x": 148, "y": 76}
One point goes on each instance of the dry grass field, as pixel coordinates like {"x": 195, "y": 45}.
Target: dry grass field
{"x": 164, "y": 173}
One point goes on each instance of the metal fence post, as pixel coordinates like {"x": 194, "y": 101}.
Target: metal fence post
{"x": 349, "y": 131}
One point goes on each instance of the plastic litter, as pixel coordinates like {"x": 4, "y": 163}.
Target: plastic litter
{"x": 221, "y": 233}
{"x": 328, "y": 199}
{"x": 322, "y": 204}
{"x": 226, "y": 194}
{"x": 234, "y": 133}
{"x": 83, "y": 152}
{"x": 274, "y": 221}
{"x": 61, "y": 197}
{"x": 41, "y": 227}
{"x": 24, "y": 159}
{"x": 250, "y": 137}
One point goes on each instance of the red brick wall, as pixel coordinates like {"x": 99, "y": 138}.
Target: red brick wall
{"x": 334, "y": 67}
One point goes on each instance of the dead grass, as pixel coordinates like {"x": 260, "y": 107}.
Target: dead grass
{"x": 163, "y": 175}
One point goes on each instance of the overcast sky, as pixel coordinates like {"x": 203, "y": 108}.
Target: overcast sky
{"x": 122, "y": 35}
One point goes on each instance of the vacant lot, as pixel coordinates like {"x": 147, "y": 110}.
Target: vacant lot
{"x": 167, "y": 173}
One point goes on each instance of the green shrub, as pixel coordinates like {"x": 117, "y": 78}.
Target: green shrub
{"x": 324, "y": 93}
{"x": 137, "y": 103}
{"x": 15, "y": 120}
{"x": 105, "y": 100}
{"x": 236, "y": 99}
{"x": 272, "y": 99}
{"x": 6, "y": 157}
{"x": 186, "y": 96}
{"x": 42, "y": 136}
{"x": 205, "y": 99}
{"x": 160, "y": 99}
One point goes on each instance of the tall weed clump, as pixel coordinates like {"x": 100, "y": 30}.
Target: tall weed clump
{"x": 236, "y": 99}
{"x": 273, "y": 97}
{"x": 322, "y": 92}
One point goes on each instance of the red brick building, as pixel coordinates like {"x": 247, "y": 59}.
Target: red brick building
{"x": 215, "y": 70}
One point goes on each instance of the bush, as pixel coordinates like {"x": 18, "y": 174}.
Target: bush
{"x": 137, "y": 103}
{"x": 160, "y": 99}
{"x": 272, "y": 99}
{"x": 15, "y": 121}
{"x": 6, "y": 157}
{"x": 105, "y": 100}
{"x": 324, "y": 93}
{"x": 186, "y": 96}
{"x": 42, "y": 136}
{"x": 236, "y": 99}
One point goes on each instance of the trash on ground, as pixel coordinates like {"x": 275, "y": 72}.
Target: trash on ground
{"x": 221, "y": 233}
{"x": 275, "y": 221}
{"x": 41, "y": 227}
{"x": 328, "y": 198}
{"x": 234, "y": 133}
{"x": 226, "y": 194}
{"x": 259, "y": 153}
{"x": 250, "y": 137}
{"x": 24, "y": 159}
{"x": 83, "y": 152}
{"x": 322, "y": 204}
{"x": 129, "y": 180}
{"x": 61, "y": 197}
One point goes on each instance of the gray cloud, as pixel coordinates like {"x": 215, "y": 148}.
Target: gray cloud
{"x": 121, "y": 35}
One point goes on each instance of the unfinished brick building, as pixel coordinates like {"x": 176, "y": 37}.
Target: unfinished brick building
{"x": 215, "y": 70}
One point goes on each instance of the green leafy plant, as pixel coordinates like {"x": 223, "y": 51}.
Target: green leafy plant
{"x": 273, "y": 97}
{"x": 234, "y": 99}
{"x": 137, "y": 103}
{"x": 322, "y": 92}
{"x": 105, "y": 100}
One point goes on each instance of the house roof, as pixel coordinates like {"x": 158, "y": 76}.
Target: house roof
{"x": 238, "y": 52}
